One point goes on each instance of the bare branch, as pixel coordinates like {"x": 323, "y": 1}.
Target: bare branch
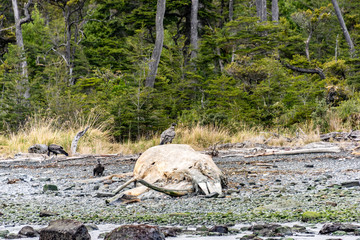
{"x": 27, "y": 17}
{"x": 61, "y": 55}
{"x": 304, "y": 70}
{"x": 8, "y": 28}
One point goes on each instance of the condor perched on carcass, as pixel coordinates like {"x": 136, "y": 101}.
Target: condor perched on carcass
{"x": 168, "y": 135}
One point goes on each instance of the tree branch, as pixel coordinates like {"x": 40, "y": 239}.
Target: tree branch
{"x": 304, "y": 70}
{"x": 27, "y": 17}
{"x": 8, "y": 28}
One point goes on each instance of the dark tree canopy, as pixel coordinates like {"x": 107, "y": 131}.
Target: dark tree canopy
{"x": 141, "y": 65}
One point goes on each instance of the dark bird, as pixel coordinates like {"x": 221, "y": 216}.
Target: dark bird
{"x": 99, "y": 169}
{"x": 56, "y": 149}
{"x": 168, "y": 135}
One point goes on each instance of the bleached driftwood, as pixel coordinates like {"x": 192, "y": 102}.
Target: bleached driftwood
{"x": 174, "y": 169}
{"x": 117, "y": 190}
{"x": 298, "y": 151}
{"x": 355, "y": 152}
{"x": 76, "y": 140}
{"x": 102, "y": 179}
{"x": 353, "y": 135}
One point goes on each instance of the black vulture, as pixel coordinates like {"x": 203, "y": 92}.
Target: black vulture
{"x": 99, "y": 169}
{"x": 56, "y": 149}
{"x": 168, "y": 135}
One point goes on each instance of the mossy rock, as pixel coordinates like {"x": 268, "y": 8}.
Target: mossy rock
{"x": 310, "y": 216}
{"x": 202, "y": 229}
{"x": 339, "y": 233}
{"x": 50, "y": 187}
{"x": 4, "y": 233}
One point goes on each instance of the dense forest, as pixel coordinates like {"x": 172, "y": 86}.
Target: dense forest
{"x": 141, "y": 65}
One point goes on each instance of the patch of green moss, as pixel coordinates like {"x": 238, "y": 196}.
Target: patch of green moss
{"x": 310, "y": 216}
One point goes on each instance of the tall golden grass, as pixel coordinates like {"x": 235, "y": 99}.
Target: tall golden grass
{"x": 98, "y": 140}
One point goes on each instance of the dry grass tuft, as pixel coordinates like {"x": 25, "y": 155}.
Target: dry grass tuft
{"x": 200, "y": 137}
{"x": 45, "y": 130}
{"x": 98, "y": 140}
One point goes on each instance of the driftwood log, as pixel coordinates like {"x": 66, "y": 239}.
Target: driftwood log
{"x": 105, "y": 178}
{"x": 76, "y": 140}
{"x": 341, "y": 136}
{"x": 298, "y": 151}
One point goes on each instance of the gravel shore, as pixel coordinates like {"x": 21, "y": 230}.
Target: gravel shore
{"x": 305, "y": 188}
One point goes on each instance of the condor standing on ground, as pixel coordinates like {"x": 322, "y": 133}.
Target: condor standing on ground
{"x": 99, "y": 169}
{"x": 168, "y": 135}
{"x": 56, "y": 149}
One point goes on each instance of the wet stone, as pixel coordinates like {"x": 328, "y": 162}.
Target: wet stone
{"x": 47, "y": 214}
{"x": 170, "y": 231}
{"x": 44, "y": 179}
{"x": 28, "y": 231}
{"x": 91, "y": 227}
{"x": 64, "y": 229}
{"x": 202, "y": 229}
{"x": 4, "y": 233}
{"x": 351, "y": 184}
{"x": 142, "y": 231}
{"x": 250, "y": 237}
{"x": 69, "y": 187}
{"x": 339, "y": 233}
{"x": 12, "y": 236}
{"x": 271, "y": 230}
{"x": 333, "y": 204}
{"x": 219, "y": 229}
{"x": 334, "y": 227}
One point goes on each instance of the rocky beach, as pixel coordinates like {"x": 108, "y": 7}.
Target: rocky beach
{"x": 268, "y": 197}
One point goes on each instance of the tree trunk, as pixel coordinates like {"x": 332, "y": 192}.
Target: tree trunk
{"x": 231, "y": 10}
{"x": 274, "y": 11}
{"x": 68, "y": 11}
{"x": 24, "y": 85}
{"x": 307, "y": 45}
{"x": 264, "y": 11}
{"x": 261, "y": 10}
{"x": 231, "y": 17}
{"x": 343, "y": 26}
{"x": 194, "y": 28}
{"x": 336, "y": 48}
{"x": 68, "y": 55}
{"x": 155, "y": 57}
